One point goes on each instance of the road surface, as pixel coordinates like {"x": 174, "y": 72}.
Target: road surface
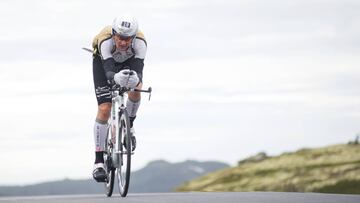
{"x": 195, "y": 197}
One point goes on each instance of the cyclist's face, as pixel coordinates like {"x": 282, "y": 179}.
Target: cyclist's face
{"x": 122, "y": 43}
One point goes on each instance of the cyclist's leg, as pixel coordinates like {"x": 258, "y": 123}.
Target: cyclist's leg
{"x": 133, "y": 104}
{"x": 100, "y": 130}
{"x": 103, "y": 95}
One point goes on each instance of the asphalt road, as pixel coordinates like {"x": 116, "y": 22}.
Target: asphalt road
{"x": 196, "y": 197}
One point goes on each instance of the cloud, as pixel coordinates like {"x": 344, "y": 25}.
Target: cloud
{"x": 235, "y": 77}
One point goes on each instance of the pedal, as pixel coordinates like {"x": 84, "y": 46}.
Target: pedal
{"x": 101, "y": 179}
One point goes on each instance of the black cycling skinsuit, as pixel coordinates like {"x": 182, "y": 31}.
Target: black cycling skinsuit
{"x": 107, "y": 61}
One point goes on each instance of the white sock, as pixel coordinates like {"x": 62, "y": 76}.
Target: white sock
{"x": 132, "y": 107}
{"x": 100, "y": 132}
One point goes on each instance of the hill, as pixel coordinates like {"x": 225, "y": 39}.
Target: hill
{"x": 162, "y": 176}
{"x": 157, "y": 176}
{"x": 332, "y": 169}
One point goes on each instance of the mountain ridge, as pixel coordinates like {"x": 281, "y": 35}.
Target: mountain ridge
{"x": 147, "y": 179}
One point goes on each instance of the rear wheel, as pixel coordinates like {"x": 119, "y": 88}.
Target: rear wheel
{"x": 123, "y": 171}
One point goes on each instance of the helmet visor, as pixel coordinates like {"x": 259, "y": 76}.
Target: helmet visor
{"x": 122, "y": 37}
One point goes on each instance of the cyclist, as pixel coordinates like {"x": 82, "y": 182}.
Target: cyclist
{"x": 119, "y": 52}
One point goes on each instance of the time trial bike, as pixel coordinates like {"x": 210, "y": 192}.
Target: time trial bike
{"x": 118, "y": 143}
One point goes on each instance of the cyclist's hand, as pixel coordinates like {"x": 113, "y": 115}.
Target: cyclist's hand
{"x": 133, "y": 80}
{"x": 127, "y": 78}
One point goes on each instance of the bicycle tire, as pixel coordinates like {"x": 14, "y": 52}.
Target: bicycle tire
{"x": 123, "y": 172}
{"x": 109, "y": 184}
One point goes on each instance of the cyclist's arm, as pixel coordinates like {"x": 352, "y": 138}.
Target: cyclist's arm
{"x": 107, "y": 59}
{"x": 137, "y": 63}
{"x": 109, "y": 67}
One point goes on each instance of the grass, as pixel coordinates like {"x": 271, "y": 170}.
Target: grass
{"x": 342, "y": 187}
{"x": 333, "y": 169}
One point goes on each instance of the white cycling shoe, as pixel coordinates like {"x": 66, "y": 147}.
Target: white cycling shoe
{"x": 99, "y": 172}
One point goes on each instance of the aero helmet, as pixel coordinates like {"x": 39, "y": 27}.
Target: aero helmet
{"x": 125, "y": 26}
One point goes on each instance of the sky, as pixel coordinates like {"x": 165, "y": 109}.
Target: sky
{"x": 230, "y": 78}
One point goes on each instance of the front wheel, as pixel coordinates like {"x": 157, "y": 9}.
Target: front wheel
{"x": 110, "y": 171}
{"x": 123, "y": 171}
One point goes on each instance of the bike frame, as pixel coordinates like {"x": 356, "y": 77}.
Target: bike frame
{"x": 118, "y": 118}
{"x": 118, "y": 96}
{"x": 117, "y": 105}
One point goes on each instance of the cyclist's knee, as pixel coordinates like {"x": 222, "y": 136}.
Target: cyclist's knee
{"x": 135, "y": 96}
{"x": 104, "y": 111}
